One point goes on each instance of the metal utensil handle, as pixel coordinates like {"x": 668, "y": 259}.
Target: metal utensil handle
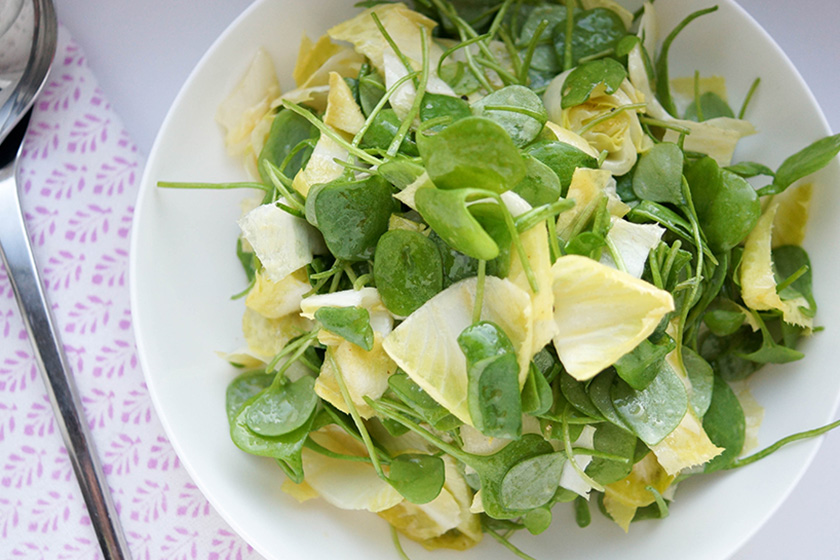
{"x": 26, "y": 283}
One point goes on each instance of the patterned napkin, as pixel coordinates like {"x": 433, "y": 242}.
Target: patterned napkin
{"x": 80, "y": 174}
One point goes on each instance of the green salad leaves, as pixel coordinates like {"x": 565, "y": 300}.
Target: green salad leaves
{"x": 500, "y": 260}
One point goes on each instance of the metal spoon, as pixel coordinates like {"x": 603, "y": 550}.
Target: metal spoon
{"x": 27, "y": 49}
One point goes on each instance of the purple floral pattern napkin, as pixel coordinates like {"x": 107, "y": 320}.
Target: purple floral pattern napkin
{"x": 80, "y": 174}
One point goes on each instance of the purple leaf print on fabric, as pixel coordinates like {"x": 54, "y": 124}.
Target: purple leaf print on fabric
{"x": 150, "y": 501}
{"x": 7, "y": 419}
{"x": 23, "y": 468}
{"x": 63, "y": 181}
{"x": 86, "y": 132}
{"x": 16, "y": 372}
{"x": 49, "y": 512}
{"x": 30, "y": 551}
{"x": 227, "y": 546}
{"x": 115, "y": 176}
{"x": 125, "y": 223}
{"x": 125, "y": 321}
{"x": 9, "y": 321}
{"x": 62, "y": 270}
{"x": 162, "y": 456}
{"x": 180, "y": 544}
{"x": 88, "y": 225}
{"x": 60, "y": 92}
{"x": 88, "y": 316}
{"x": 191, "y": 502}
{"x": 78, "y": 182}
{"x": 5, "y": 285}
{"x": 63, "y": 467}
{"x": 41, "y": 224}
{"x": 122, "y": 454}
{"x": 73, "y": 55}
{"x": 9, "y": 516}
{"x": 112, "y": 269}
{"x": 115, "y": 359}
{"x": 137, "y": 408}
{"x": 42, "y": 139}
{"x": 140, "y": 545}
{"x": 81, "y": 549}
{"x": 99, "y": 407}
{"x": 40, "y": 419}
{"x": 76, "y": 357}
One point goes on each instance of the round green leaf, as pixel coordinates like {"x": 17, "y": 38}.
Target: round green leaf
{"x": 408, "y": 270}
{"x": 419, "y": 478}
{"x": 473, "y": 152}
{"x": 533, "y": 482}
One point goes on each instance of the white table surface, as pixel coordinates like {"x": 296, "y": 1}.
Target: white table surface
{"x": 142, "y": 51}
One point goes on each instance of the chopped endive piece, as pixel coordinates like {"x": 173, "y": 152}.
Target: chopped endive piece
{"x": 313, "y": 92}
{"x": 425, "y": 345}
{"x": 568, "y": 137}
{"x": 792, "y": 215}
{"x": 758, "y": 283}
{"x": 623, "y": 498}
{"x": 322, "y": 167}
{"x": 405, "y": 27}
{"x": 276, "y": 299}
{"x": 406, "y": 196}
{"x": 402, "y": 24}
{"x": 685, "y": 447}
{"x": 633, "y": 242}
{"x": 753, "y": 413}
{"x": 312, "y": 56}
{"x": 282, "y": 242}
{"x": 535, "y": 244}
{"x": 716, "y": 137}
{"x": 343, "y": 113}
{"x": 601, "y": 314}
{"x": 365, "y": 374}
{"x": 266, "y": 337}
{"x": 246, "y": 105}
{"x": 571, "y": 479}
{"x": 587, "y": 188}
{"x": 346, "y": 484}
{"x": 446, "y": 521}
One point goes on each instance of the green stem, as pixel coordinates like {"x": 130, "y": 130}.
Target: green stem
{"x": 699, "y": 107}
{"x": 529, "y": 52}
{"x": 216, "y": 186}
{"x": 418, "y": 99}
{"x": 479, "y": 291}
{"x": 395, "y": 539}
{"x": 603, "y": 117}
{"x": 781, "y": 443}
{"x": 390, "y": 40}
{"x": 296, "y": 348}
{"x": 570, "y": 454}
{"x": 568, "y": 59}
{"x": 357, "y": 419}
{"x": 333, "y": 135}
{"x": 749, "y": 97}
{"x": 357, "y": 139}
{"x": 508, "y": 545}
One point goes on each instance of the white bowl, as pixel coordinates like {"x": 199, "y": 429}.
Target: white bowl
{"x": 184, "y": 269}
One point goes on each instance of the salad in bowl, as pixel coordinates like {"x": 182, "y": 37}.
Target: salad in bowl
{"x": 500, "y": 262}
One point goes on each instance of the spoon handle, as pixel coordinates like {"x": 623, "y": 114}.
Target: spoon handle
{"x": 26, "y": 283}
